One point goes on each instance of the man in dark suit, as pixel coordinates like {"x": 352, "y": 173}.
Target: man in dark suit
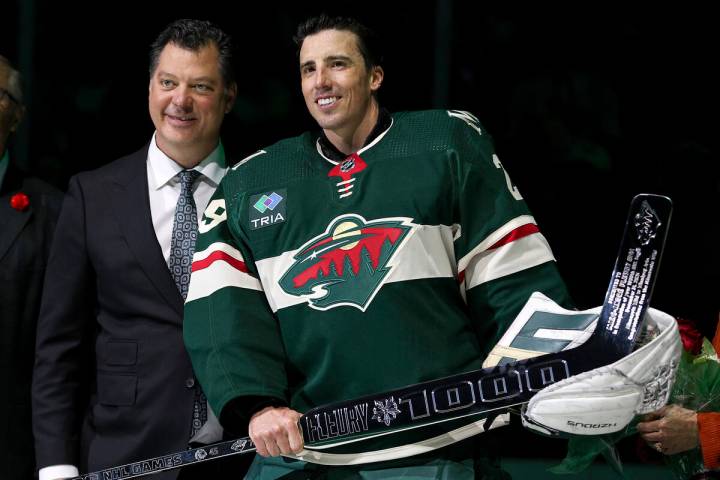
{"x": 113, "y": 383}
{"x": 29, "y": 209}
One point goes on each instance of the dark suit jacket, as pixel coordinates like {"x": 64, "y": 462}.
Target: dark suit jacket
{"x": 25, "y": 238}
{"x": 113, "y": 383}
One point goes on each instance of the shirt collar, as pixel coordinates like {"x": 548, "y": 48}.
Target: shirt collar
{"x": 4, "y": 162}
{"x": 164, "y": 168}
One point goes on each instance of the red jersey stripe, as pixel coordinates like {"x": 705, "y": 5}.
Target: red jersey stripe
{"x": 518, "y": 233}
{"x": 215, "y": 256}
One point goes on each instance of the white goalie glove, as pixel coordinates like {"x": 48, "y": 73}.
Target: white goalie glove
{"x": 605, "y": 399}
{"x": 602, "y": 400}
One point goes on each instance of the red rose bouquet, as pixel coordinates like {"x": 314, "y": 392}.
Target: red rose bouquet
{"x": 697, "y": 387}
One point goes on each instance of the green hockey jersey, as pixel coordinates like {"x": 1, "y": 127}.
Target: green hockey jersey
{"x": 316, "y": 281}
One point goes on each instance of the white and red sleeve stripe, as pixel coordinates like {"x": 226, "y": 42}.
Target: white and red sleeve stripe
{"x": 219, "y": 266}
{"x": 516, "y": 246}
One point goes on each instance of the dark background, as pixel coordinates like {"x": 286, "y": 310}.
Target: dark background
{"x": 587, "y": 106}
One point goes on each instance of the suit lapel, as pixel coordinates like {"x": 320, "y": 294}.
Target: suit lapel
{"x": 11, "y": 221}
{"x": 131, "y": 205}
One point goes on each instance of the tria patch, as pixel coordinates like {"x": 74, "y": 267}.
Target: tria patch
{"x": 345, "y": 170}
{"x": 267, "y": 209}
{"x": 348, "y": 263}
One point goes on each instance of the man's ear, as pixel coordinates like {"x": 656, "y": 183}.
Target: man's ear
{"x": 230, "y": 96}
{"x": 376, "y": 77}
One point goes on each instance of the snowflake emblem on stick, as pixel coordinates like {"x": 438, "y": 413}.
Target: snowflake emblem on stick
{"x": 238, "y": 445}
{"x": 385, "y": 411}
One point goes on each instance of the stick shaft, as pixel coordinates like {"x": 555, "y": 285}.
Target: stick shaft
{"x": 173, "y": 460}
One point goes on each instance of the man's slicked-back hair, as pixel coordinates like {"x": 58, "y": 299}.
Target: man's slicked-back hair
{"x": 193, "y": 35}
{"x": 368, "y": 42}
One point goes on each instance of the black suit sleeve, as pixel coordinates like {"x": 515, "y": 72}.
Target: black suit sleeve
{"x": 63, "y": 341}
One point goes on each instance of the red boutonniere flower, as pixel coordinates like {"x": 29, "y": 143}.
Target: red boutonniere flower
{"x": 691, "y": 337}
{"x": 20, "y": 202}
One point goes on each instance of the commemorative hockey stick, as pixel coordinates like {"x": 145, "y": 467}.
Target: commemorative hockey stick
{"x": 491, "y": 391}
{"x": 481, "y": 393}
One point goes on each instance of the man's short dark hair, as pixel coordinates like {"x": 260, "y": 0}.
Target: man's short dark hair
{"x": 368, "y": 42}
{"x": 193, "y": 35}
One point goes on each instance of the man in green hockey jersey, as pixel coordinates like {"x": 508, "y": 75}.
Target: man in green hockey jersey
{"x": 381, "y": 251}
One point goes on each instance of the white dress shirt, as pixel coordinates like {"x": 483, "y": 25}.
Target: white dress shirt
{"x": 164, "y": 189}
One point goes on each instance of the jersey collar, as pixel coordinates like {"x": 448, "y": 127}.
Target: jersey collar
{"x": 330, "y": 153}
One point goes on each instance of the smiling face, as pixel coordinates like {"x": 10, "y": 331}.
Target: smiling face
{"x": 187, "y": 101}
{"x": 338, "y": 88}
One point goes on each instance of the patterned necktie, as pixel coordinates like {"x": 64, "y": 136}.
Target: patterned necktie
{"x": 184, "y": 234}
{"x": 182, "y": 247}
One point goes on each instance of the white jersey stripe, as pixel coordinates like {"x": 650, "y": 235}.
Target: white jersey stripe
{"x": 219, "y": 265}
{"x": 270, "y": 271}
{"x": 493, "y": 238}
{"x": 219, "y": 275}
{"x": 427, "y": 254}
{"x": 510, "y": 258}
{"x": 218, "y": 247}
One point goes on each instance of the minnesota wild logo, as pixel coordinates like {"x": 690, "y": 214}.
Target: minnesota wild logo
{"x": 347, "y": 264}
